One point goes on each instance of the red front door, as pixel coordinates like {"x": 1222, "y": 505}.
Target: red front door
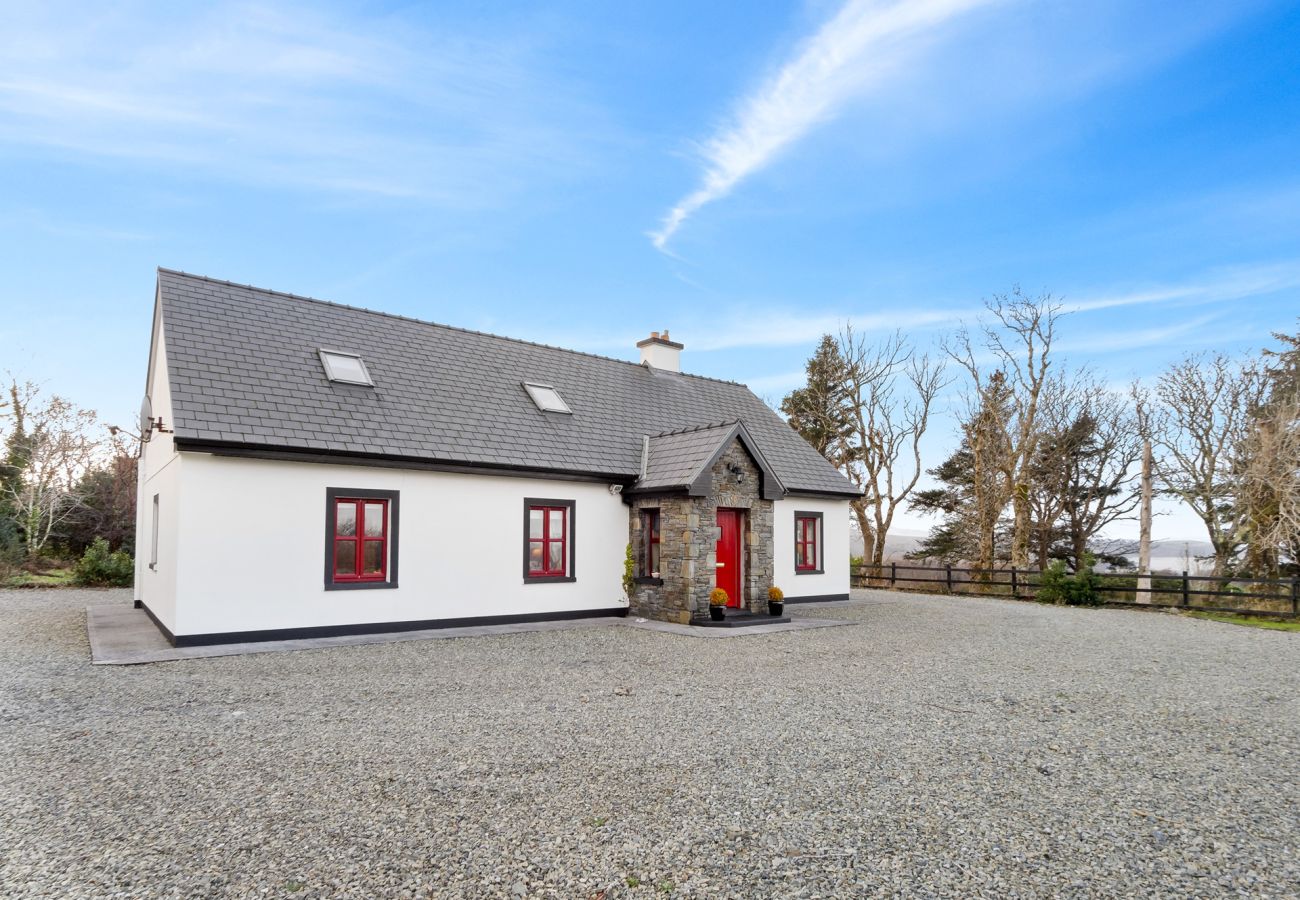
{"x": 728, "y": 577}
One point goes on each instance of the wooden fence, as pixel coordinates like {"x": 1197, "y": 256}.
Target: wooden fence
{"x": 1255, "y": 597}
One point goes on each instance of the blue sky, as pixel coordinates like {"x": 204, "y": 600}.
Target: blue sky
{"x": 748, "y": 176}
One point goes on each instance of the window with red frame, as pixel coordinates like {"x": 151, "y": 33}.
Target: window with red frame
{"x": 360, "y": 540}
{"x": 805, "y": 543}
{"x": 548, "y": 541}
{"x": 650, "y": 534}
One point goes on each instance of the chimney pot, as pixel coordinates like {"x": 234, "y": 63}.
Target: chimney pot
{"x": 654, "y": 334}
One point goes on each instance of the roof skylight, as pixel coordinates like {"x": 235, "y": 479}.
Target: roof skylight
{"x": 346, "y": 368}
{"x": 547, "y": 398}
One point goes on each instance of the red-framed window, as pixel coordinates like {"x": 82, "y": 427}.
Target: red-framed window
{"x": 650, "y": 536}
{"x": 805, "y": 543}
{"x": 548, "y": 541}
{"x": 360, "y": 539}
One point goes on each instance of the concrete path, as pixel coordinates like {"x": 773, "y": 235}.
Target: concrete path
{"x": 796, "y": 623}
{"x": 122, "y": 635}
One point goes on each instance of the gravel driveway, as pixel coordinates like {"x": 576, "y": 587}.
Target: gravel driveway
{"x": 942, "y": 747}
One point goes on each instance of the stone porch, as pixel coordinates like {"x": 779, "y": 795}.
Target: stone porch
{"x": 688, "y": 535}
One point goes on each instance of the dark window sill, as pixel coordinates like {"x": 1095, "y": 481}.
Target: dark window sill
{"x": 810, "y": 571}
{"x": 647, "y": 579}
{"x": 548, "y": 579}
{"x": 359, "y": 585}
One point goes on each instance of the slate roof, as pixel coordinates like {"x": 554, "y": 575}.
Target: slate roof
{"x": 244, "y": 370}
{"x": 676, "y": 457}
{"x": 681, "y": 459}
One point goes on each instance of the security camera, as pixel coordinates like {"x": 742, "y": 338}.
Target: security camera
{"x": 616, "y": 489}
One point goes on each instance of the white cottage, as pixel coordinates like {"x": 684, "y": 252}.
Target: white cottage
{"x": 317, "y": 469}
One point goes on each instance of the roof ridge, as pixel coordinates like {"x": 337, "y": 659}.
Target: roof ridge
{"x": 693, "y": 428}
{"x": 431, "y": 324}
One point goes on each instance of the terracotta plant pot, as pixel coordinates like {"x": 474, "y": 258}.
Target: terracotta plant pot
{"x": 717, "y": 613}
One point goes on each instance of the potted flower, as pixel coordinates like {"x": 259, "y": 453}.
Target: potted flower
{"x": 775, "y": 600}
{"x": 718, "y": 604}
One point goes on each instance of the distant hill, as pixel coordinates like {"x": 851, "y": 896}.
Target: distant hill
{"x": 1166, "y": 556}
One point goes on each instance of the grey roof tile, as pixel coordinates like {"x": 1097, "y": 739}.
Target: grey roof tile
{"x": 242, "y": 363}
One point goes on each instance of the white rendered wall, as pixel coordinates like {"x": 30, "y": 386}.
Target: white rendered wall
{"x": 835, "y": 547}
{"x": 158, "y": 474}
{"x": 254, "y": 547}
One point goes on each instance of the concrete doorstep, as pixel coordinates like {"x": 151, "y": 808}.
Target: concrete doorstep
{"x": 123, "y": 635}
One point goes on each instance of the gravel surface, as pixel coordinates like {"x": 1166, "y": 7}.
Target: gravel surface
{"x": 942, "y": 747}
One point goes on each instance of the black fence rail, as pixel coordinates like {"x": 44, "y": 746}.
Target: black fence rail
{"x": 1279, "y": 598}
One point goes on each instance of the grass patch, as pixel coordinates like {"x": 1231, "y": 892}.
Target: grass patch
{"x": 1250, "y": 621}
{"x": 50, "y": 578}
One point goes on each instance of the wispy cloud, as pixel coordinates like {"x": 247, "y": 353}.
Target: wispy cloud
{"x": 753, "y": 326}
{"x": 781, "y": 382}
{"x": 788, "y": 328}
{"x": 38, "y": 220}
{"x": 289, "y": 96}
{"x": 850, "y": 55}
{"x": 1119, "y": 340}
{"x": 1216, "y": 286}
{"x": 772, "y": 325}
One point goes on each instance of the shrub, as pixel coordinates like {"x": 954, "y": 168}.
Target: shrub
{"x": 775, "y": 594}
{"x": 719, "y": 597}
{"x": 857, "y": 562}
{"x": 99, "y": 567}
{"x": 1087, "y": 587}
{"x": 1083, "y": 588}
{"x": 629, "y": 571}
{"x": 11, "y": 547}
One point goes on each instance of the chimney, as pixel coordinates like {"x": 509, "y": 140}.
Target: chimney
{"x": 658, "y": 352}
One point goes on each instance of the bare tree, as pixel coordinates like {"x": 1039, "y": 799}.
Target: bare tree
{"x": 1268, "y": 489}
{"x": 60, "y": 443}
{"x": 1269, "y": 473}
{"x": 888, "y": 392}
{"x": 1142, "y": 417}
{"x": 1201, "y": 425}
{"x": 1019, "y": 339}
{"x": 105, "y": 498}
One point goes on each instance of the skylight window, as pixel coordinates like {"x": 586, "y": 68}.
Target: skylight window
{"x": 547, "y": 398}
{"x": 346, "y": 368}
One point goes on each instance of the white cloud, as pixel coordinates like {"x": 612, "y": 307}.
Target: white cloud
{"x": 850, "y": 55}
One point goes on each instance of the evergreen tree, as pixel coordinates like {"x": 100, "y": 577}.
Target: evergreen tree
{"x": 1282, "y": 368}
{"x": 817, "y": 411}
{"x": 1268, "y": 467}
{"x": 17, "y": 455}
{"x": 951, "y": 540}
{"x": 17, "y": 445}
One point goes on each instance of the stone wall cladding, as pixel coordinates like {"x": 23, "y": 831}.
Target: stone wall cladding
{"x": 688, "y": 535}
{"x": 678, "y": 519}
